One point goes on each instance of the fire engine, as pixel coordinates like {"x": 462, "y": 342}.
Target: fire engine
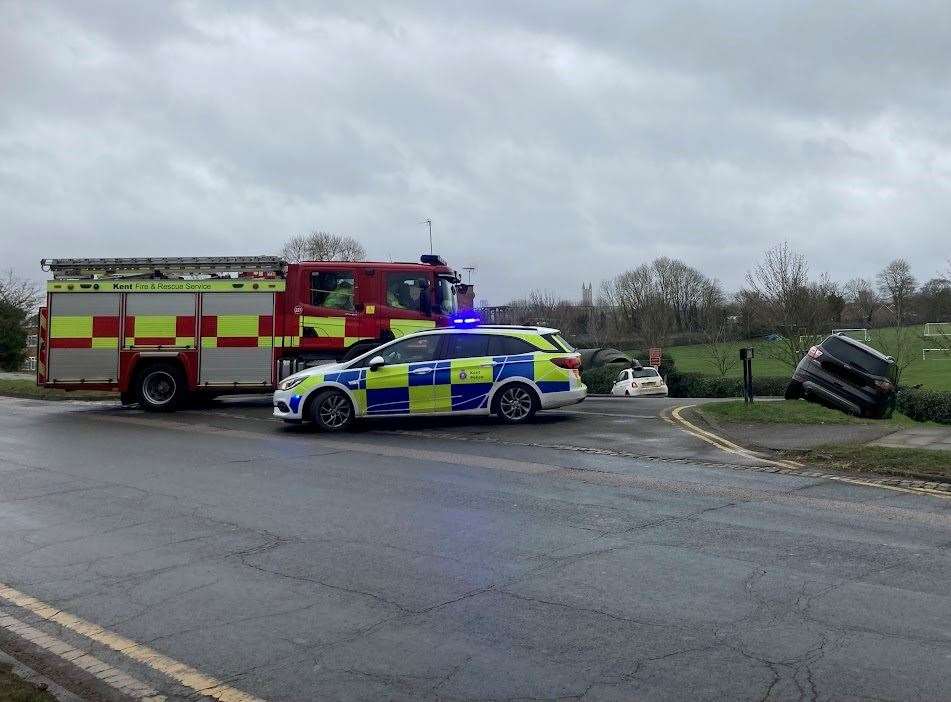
{"x": 158, "y": 330}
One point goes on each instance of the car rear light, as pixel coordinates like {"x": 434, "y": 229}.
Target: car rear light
{"x": 572, "y": 362}
{"x": 814, "y": 352}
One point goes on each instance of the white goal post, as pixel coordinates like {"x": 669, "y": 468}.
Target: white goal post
{"x": 941, "y": 354}
{"x": 938, "y": 329}
{"x": 852, "y": 333}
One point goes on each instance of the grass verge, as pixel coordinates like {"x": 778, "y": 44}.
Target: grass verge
{"x": 924, "y": 464}
{"x": 791, "y": 412}
{"x": 13, "y": 689}
{"x": 27, "y": 388}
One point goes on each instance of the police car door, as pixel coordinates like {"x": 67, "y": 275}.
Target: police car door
{"x": 464, "y": 375}
{"x": 404, "y": 384}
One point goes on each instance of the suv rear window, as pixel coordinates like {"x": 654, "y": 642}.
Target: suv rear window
{"x": 857, "y": 357}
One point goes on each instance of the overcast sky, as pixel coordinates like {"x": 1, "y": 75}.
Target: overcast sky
{"x": 550, "y": 142}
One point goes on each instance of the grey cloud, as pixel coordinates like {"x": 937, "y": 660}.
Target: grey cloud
{"x": 550, "y": 143}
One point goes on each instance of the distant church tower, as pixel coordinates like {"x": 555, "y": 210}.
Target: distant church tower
{"x": 587, "y": 296}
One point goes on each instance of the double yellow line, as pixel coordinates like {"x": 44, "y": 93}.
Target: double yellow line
{"x": 676, "y": 417}
{"x": 199, "y": 683}
{"x": 723, "y": 444}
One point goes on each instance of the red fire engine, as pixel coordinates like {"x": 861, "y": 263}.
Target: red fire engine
{"x": 159, "y": 329}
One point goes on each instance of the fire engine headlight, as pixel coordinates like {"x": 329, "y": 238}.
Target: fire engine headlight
{"x": 291, "y": 383}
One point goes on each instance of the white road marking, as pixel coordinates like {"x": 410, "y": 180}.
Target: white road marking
{"x": 602, "y": 414}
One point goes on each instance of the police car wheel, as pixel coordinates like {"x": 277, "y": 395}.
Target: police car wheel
{"x": 332, "y": 411}
{"x": 515, "y": 403}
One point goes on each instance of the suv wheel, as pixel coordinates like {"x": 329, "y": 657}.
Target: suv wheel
{"x": 515, "y": 403}
{"x": 332, "y": 411}
{"x": 794, "y": 390}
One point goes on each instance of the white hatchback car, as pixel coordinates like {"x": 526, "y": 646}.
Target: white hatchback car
{"x": 639, "y": 382}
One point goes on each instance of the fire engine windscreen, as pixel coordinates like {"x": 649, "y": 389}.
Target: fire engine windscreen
{"x": 445, "y": 297}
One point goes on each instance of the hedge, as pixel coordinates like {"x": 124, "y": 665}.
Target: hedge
{"x": 700, "y": 385}
{"x": 601, "y": 380}
{"x": 925, "y": 405}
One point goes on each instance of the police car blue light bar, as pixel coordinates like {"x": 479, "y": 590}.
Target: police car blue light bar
{"x": 466, "y": 322}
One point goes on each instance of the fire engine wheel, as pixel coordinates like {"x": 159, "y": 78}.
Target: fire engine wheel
{"x": 515, "y": 403}
{"x": 332, "y": 411}
{"x": 160, "y": 388}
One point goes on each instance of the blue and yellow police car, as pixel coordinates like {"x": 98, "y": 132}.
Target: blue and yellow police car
{"x": 507, "y": 371}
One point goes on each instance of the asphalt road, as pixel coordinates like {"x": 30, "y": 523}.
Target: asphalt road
{"x": 600, "y": 554}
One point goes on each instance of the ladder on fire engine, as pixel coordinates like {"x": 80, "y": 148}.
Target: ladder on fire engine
{"x": 212, "y": 266}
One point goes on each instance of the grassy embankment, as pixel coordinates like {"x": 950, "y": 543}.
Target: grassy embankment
{"x": 929, "y": 464}
{"x": 793, "y": 412}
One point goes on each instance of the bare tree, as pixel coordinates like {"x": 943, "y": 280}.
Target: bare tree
{"x": 897, "y": 285}
{"x": 797, "y": 309}
{"x": 933, "y": 300}
{"x": 322, "y": 246}
{"x": 944, "y": 337}
{"x": 863, "y": 298}
{"x": 22, "y": 293}
{"x": 717, "y": 330}
{"x": 641, "y": 305}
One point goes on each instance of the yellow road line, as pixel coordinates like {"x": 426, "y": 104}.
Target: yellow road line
{"x": 730, "y": 447}
{"x": 181, "y": 673}
{"x": 113, "y": 677}
{"x": 720, "y": 442}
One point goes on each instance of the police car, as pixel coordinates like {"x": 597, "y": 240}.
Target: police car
{"x": 507, "y": 371}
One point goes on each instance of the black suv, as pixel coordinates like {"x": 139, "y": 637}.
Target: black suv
{"x": 848, "y": 375}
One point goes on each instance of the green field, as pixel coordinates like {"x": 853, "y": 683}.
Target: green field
{"x": 933, "y": 373}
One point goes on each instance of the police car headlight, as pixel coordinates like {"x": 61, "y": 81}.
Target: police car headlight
{"x": 290, "y": 383}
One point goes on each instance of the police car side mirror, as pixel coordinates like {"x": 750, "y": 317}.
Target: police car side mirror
{"x": 376, "y": 363}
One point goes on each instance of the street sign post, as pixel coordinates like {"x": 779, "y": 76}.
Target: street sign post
{"x": 654, "y": 356}
{"x": 746, "y": 355}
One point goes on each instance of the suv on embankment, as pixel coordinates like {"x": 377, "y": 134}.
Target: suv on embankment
{"x": 848, "y": 375}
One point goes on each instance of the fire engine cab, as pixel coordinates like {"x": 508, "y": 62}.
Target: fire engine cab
{"x": 160, "y": 329}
